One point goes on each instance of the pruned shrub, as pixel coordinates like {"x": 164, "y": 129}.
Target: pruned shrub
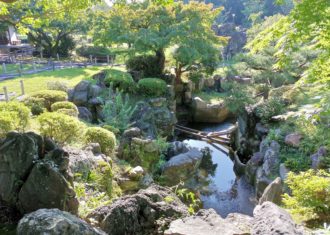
{"x": 271, "y": 107}
{"x": 309, "y": 199}
{"x": 65, "y": 107}
{"x": 57, "y": 86}
{"x": 60, "y": 127}
{"x": 120, "y": 80}
{"x": 50, "y": 97}
{"x": 37, "y": 105}
{"x": 152, "y": 87}
{"x": 86, "y": 51}
{"x": 6, "y": 123}
{"x": 148, "y": 65}
{"x": 105, "y": 138}
{"x": 18, "y": 113}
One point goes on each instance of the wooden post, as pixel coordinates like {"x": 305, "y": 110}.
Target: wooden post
{"x": 4, "y": 68}
{"x": 34, "y": 66}
{"x": 22, "y": 87}
{"x": 6, "y": 93}
{"x": 91, "y": 58}
{"x": 108, "y": 59}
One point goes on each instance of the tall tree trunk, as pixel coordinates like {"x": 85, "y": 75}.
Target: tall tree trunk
{"x": 178, "y": 73}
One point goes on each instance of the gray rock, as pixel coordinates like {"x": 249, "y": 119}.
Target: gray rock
{"x": 273, "y": 192}
{"x": 176, "y": 148}
{"x": 272, "y": 159}
{"x": 210, "y": 223}
{"x": 154, "y": 118}
{"x": 209, "y": 113}
{"x": 147, "y": 212}
{"x": 316, "y": 158}
{"x": 49, "y": 185}
{"x": 80, "y": 93}
{"x": 252, "y": 166}
{"x": 18, "y": 153}
{"x": 271, "y": 219}
{"x": 261, "y": 130}
{"x": 182, "y": 166}
{"x": 136, "y": 173}
{"x": 54, "y": 222}
{"x": 85, "y": 114}
{"x": 293, "y": 139}
{"x": 283, "y": 171}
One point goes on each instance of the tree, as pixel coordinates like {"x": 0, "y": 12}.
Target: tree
{"x": 151, "y": 28}
{"x": 307, "y": 24}
{"x": 33, "y": 12}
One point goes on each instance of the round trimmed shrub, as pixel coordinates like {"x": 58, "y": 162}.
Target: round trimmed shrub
{"x": 50, "y": 97}
{"x": 19, "y": 113}
{"x": 60, "y": 127}
{"x": 152, "y": 87}
{"x": 57, "y": 86}
{"x": 37, "y": 105}
{"x": 120, "y": 80}
{"x": 106, "y": 139}
{"x": 65, "y": 107}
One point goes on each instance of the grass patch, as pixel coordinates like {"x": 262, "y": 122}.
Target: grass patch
{"x": 37, "y": 82}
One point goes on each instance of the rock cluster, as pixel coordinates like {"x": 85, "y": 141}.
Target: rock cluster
{"x": 209, "y": 113}
{"x": 35, "y": 175}
{"x": 147, "y": 212}
{"x": 267, "y": 219}
{"x": 54, "y": 222}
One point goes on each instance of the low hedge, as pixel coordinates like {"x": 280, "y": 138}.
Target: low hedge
{"x": 37, "y": 105}
{"x": 120, "y": 80}
{"x": 65, "y": 107}
{"x": 60, "y": 127}
{"x": 152, "y": 87}
{"x": 105, "y": 138}
{"x": 15, "y": 112}
{"x": 50, "y": 97}
{"x": 86, "y": 51}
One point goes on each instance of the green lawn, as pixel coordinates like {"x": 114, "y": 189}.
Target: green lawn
{"x": 37, "y": 82}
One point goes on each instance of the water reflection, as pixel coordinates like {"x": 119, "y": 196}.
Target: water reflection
{"x": 225, "y": 192}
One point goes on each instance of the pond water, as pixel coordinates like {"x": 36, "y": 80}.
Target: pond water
{"x": 7, "y": 229}
{"x": 226, "y": 192}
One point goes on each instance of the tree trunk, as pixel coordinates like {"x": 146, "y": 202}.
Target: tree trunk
{"x": 178, "y": 74}
{"x": 160, "y": 54}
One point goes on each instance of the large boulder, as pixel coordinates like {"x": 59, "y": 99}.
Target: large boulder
{"x": 49, "y": 185}
{"x": 210, "y": 223}
{"x": 176, "y": 148}
{"x": 293, "y": 139}
{"x": 182, "y": 166}
{"x": 154, "y": 118}
{"x": 209, "y": 113}
{"x": 316, "y": 157}
{"x": 34, "y": 175}
{"x": 18, "y": 153}
{"x": 271, "y": 219}
{"x": 54, "y": 222}
{"x": 147, "y": 212}
{"x": 273, "y": 192}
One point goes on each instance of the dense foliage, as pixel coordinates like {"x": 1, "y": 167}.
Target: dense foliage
{"x": 152, "y": 87}
{"x": 119, "y": 80}
{"x": 60, "y": 127}
{"x": 50, "y": 97}
{"x": 310, "y": 196}
{"x": 105, "y": 138}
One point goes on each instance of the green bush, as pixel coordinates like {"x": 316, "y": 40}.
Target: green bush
{"x": 310, "y": 196}
{"x": 50, "y": 97}
{"x": 6, "y": 123}
{"x": 19, "y": 114}
{"x": 148, "y": 65}
{"x": 86, "y": 51}
{"x": 117, "y": 110}
{"x": 120, "y": 80}
{"x": 237, "y": 97}
{"x": 105, "y": 138}
{"x": 152, "y": 87}
{"x": 57, "y": 86}
{"x": 37, "y": 105}
{"x": 65, "y": 107}
{"x": 271, "y": 107}
{"x": 60, "y": 127}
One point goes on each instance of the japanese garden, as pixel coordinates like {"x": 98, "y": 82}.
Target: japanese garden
{"x": 164, "y": 117}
